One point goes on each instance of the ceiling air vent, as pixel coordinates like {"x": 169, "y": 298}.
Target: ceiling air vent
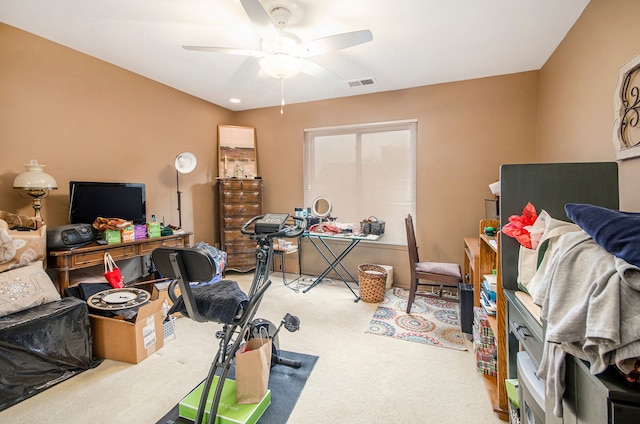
{"x": 361, "y": 82}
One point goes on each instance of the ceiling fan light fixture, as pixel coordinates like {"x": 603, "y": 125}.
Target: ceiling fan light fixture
{"x": 281, "y": 65}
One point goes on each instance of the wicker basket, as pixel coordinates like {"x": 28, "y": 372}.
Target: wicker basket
{"x": 372, "y": 280}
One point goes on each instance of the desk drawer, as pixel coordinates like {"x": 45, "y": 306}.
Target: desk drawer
{"x": 527, "y": 330}
{"x": 81, "y": 260}
{"x": 147, "y": 248}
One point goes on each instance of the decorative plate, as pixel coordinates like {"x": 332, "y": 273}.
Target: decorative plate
{"x": 117, "y": 299}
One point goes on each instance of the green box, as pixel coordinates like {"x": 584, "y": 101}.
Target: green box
{"x": 229, "y": 412}
{"x": 111, "y": 236}
{"x": 512, "y": 391}
{"x": 153, "y": 229}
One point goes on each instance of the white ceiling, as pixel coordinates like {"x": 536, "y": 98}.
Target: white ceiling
{"x": 415, "y": 42}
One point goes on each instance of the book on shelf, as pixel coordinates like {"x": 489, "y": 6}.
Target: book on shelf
{"x": 492, "y": 281}
{"x": 488, "y": 305}
{"x": 491, "y": 294}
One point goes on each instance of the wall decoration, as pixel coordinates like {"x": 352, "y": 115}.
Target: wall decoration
{"x": 237, "y": 152}
{"x": 626, "y": 128}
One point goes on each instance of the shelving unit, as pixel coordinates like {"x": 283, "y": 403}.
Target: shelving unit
{"x": 488, "y": 261}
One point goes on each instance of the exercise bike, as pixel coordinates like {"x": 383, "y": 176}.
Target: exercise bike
{"x": 202, "y": 303}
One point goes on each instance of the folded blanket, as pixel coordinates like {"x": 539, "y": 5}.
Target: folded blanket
{"x": 221, "y": 302}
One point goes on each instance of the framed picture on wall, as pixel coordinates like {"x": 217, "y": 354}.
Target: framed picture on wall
{"x": 237, "y": 152}
{"x": 626, "y": 132}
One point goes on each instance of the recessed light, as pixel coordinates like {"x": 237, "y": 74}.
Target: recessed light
{"x": 234, "y": 100}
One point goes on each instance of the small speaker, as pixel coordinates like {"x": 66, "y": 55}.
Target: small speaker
{"x": 69, "y": 236}
{"x": 466, "y": 307}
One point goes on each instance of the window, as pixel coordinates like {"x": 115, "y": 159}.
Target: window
{"x": 365, "y": 170}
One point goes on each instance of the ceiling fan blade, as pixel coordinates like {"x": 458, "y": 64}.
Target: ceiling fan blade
{"x": 334, "y": 42}
{"x": 261, "y": 19}
{"x": 244, "y": 77}
{"x": 317, "y": 71}
{"x": 239, "y": 52}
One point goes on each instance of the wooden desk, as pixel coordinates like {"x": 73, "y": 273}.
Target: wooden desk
{"x": 64, "y": 261}
{"x": 471, "y": 265}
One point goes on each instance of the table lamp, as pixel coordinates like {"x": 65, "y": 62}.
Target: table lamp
{"x": 35, "y": 184}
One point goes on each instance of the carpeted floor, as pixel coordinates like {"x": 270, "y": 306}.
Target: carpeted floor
{"x": 432, "y": 321}
{"x": 286, "y": 384}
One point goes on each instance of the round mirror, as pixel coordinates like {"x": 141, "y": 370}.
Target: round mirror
{"x": 321, "y": 207}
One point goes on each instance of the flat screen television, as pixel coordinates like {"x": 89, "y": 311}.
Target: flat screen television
{"x": 90, "y": 200}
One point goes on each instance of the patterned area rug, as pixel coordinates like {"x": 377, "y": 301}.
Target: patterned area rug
{"x": 432, "y": 321}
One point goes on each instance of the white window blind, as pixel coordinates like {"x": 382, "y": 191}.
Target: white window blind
{"x": 365, "y": 170}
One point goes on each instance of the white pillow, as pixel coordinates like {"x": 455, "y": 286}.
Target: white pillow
{"x": 25, "y": 287}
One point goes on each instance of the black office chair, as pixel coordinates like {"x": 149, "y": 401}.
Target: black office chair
{"x": 434, "y": 274}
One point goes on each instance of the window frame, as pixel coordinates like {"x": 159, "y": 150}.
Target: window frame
{"x": 359, "y": 131}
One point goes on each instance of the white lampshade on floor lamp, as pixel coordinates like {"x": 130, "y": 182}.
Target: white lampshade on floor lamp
{"x": 35, "y": 184}
{"x": 185, "y": 163}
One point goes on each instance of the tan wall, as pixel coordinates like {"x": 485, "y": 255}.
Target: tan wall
{"x": 465, "y": 131}
{"x": 88, "y": 120}
{"x": 577, "y": 86}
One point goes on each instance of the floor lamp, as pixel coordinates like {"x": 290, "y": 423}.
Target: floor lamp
{"x": 185, "y": 163}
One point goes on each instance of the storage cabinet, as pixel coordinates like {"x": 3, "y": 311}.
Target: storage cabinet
{"x": 588, "y": 399}
{"x": 239, "y": 200}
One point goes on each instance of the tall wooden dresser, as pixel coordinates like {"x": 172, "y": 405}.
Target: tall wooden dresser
{"x": 240, "y": 200}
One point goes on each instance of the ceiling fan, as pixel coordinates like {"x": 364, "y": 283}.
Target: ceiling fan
{"x": 283, "y": 54}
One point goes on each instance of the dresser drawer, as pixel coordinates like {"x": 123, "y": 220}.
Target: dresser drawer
{"x": 241, "y": 196}
{"x": 526, "y": 329}
{"x": 240, "y": 209}
{"x": 240, "y": 246}
{"x": 234, "y": 222}
{"x": 241, "y": 185}
{"x": 236, "y": 237}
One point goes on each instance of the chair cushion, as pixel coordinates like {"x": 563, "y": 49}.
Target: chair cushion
{"x": 451, "y": 270}
{"x": 221, "y": 302}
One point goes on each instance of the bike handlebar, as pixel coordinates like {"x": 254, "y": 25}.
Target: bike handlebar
{"x": 286, "y": 232}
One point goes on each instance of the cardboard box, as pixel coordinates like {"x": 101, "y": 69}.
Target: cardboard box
{"x": 111, "y": 236}
{"x": 126, "y": 341}
{"x": 127, "y": 233}
{"x": 229, "y": 412}
{"x": 153, "y": 229}
{"x": 140, "y": 232}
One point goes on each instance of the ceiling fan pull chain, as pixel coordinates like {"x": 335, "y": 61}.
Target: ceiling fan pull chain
{"x": 281, "y": 96}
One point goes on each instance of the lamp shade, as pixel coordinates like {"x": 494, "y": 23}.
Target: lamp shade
{"x": 34, "y": 178}
{"x": 280, "y": 65}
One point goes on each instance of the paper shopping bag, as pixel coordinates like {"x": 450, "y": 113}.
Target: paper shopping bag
{"x": 112, "y": 272}
{"x": 253, "y": 365}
